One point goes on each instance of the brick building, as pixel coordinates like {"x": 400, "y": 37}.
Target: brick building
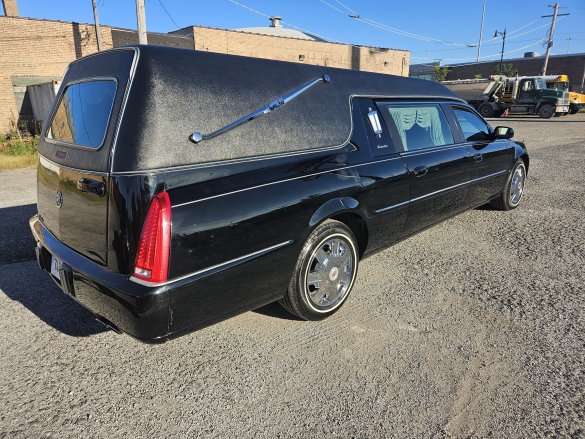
{"x": 34, "y": 51}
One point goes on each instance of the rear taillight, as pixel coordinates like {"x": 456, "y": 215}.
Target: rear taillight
{"x": 152, "y": 257}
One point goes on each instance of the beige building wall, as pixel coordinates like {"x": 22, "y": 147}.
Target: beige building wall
{"x": 370, "y": 59}
{"x": 32, "y": 47}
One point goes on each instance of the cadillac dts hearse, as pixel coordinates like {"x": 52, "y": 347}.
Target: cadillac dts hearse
{"x": 177, "y": 188}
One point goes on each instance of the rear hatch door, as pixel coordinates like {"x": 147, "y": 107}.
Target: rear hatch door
{"x": 75, "y": 150}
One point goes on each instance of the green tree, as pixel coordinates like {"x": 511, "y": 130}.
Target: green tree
{"x": 506, "y": 70}
{"x": 478, "y": 76}
{"x": 440, "y": 73}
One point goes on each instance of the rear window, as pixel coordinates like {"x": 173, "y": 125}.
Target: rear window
{"x": 83, "y": 113}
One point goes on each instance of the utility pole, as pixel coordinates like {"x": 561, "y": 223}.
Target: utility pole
{"x": 141, "y": 20}
{"x": 551, "y": 33}
{"x": 503, "y": 35}
{"x": 481, "y": 30}
{"x": 96, "y": 21}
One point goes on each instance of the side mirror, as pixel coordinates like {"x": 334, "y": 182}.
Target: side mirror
{"x": 503, "y": 133}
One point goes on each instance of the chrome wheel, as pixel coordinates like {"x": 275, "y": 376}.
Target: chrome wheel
{"x": 330, "y": 273}
{"x": 517, "y": 185}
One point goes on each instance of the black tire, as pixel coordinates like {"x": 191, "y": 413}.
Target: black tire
{"x": 559, "y": 114}
{"x": 303, "y": 295}
{"x": 486, "y": 110}
{"x": 499, "y": 113}
{"x": 505, "y": 201}
{"x": 574, "y": 109}
{"x": 546, "y": 111}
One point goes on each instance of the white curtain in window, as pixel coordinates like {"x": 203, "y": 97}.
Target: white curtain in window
{"x": 425, "y": 117}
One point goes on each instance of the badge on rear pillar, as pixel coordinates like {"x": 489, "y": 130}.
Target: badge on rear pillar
{"x": 59, "y": 198}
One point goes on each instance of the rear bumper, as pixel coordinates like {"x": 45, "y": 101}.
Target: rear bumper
{"x": 139, "y": 310}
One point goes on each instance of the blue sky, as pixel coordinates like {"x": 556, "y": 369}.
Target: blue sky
{"x": 431, "y": 30}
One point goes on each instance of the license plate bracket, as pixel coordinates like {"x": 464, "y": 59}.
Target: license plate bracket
{"x": 63, "y": 273}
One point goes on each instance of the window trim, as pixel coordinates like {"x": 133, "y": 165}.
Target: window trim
{"x": 62, "y": 90}
{"x": 393, "y": 130}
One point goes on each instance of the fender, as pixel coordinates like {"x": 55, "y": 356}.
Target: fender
{"x": 520, "y": 152}
{"x": 543, "y": 101}
{"x": 333, "y": 207}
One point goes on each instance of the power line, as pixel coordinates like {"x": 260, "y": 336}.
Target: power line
{"x": 169, "y": 15}
{"x": 370, "y": 22}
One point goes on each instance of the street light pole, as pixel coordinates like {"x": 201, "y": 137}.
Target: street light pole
{"x": 481, "y": 30}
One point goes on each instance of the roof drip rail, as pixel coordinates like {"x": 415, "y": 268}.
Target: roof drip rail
{"x": 197, "y": 137}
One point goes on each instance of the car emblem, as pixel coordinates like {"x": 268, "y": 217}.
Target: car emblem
{"x": 59, "y": 198}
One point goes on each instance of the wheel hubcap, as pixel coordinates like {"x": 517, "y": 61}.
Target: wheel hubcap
{"x": 517, "y": 185}
{"x": 330, "y": 273}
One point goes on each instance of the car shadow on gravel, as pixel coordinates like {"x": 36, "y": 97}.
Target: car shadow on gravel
{"x": 275, "y": 310}
{"x": 16, "y": 241}
{"x": 26, "y": 283}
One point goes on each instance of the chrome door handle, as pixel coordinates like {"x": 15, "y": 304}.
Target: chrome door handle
{"x": 478, "y": 157}
{"x": 419, "y": 171}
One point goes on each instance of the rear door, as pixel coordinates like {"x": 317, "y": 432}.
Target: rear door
{"x": 74, "y": 152}
{"x": 489, "y": 159}
{"x": 438, "y": 170}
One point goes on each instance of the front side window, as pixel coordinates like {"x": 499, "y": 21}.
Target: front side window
{"x": 421, "y": 126}
{"x": 474, "y": 129}
{"x": 83, "y": 114}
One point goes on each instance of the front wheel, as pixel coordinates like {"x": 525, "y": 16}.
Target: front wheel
{"x": 546, "y": 111}
{"x": 324, "y": 274}
{"x": 514, "y": 190}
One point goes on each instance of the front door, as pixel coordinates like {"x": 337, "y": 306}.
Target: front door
{"x": 438, "y": 170}
{"x": 489, "y": 158}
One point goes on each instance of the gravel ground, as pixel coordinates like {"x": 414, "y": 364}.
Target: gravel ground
{"x": 473, "y": 328}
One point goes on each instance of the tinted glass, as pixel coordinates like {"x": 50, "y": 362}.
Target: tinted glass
{"x": 421, "y": 126}
{"x": 83, "y": 113}
{"x": 474, "y": 129}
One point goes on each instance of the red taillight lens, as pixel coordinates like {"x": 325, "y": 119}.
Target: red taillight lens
{"x": 152, "y": 257}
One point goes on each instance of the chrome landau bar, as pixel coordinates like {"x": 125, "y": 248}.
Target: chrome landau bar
{"x": 274, "y": 105}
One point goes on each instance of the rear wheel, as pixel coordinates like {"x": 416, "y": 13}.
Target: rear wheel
{"x": 514, "y": 190}
{"x": 486, "y": 110}
{"x": 546, "y": 111}
{"x": 324, "y": 274}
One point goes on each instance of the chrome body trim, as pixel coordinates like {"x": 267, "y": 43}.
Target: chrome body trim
{"x": 213, "y": 267}
{"x": 284, "y": 180}
{"x": 475, "y": 180}
{"x": 124, "y": 101}
{"x": 197, "y": 137}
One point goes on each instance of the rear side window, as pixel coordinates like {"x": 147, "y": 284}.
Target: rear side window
{"x": 83, "y": 113}
{"x": 421, "y": 126}
{"x": 474, "y": 129}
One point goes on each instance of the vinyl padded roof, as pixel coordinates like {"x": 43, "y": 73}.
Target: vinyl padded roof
{"x": 176, "y": 92}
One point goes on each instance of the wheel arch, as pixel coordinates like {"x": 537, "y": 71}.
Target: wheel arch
{"x": 345, "y": 210}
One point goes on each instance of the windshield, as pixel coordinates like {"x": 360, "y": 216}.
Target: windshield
{"x": 539, "y": 83}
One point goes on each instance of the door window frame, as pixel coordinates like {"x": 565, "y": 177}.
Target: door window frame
{"x": 471, "y": 110}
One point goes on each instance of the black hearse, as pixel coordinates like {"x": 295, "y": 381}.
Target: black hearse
{"x": 177, "y": 188}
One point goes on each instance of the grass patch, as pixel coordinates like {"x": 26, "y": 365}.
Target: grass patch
{"x": 17, "y": 151}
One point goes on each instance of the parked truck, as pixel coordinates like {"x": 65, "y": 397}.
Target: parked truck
{"x": 561, "y": 82}
{"x": 495, "y": 95}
